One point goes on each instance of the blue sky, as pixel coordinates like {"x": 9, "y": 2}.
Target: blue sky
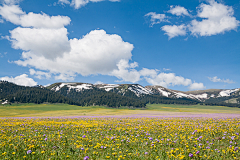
{"x": 182, "y": 45}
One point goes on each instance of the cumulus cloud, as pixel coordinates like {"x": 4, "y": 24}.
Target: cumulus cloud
{"x": 126, "y": 71}
{"x": 216, "y": 79}
{"x": 178, "y": 10}
{"x": 168, "y": 79}
{"x": 156, "y": 18}
{"x": 196, "y": 86}
{"x": 212, "y": 18}
{"x": 40, "y": 74}
{"x": 22, "y": 80}
{"x": 174, "y": 31}
{"x": 217, "y": 18}
{"x": 80, "y": 3}
{"x": 95, "y": 53}
{"x": 15, "y": 15}
{"x": 49, "y": 43}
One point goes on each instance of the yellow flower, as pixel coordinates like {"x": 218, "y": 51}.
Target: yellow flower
{"x": 13, "y": 152}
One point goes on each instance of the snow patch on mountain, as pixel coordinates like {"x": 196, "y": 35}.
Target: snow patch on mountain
{"x": 164, "y": 93}
{"x": 226, "y": 93}
{"x": 139, "y": 90}
{"x": 109, "y": 87}
{"x": 77, "y": 87}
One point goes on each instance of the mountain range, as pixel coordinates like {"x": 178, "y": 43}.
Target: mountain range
{"x": 115, "y": 95}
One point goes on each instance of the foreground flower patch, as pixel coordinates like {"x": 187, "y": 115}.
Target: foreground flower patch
{"x": 119, "y": 138}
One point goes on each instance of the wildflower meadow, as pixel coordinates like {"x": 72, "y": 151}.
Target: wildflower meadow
{"x": 119, "y": 138}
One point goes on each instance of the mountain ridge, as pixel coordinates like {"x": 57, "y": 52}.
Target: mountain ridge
{"x": 151, "y": 90}
{"x": 116, "y": 95}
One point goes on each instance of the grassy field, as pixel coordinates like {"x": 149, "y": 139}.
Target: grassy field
{"x": 51, "y": 110}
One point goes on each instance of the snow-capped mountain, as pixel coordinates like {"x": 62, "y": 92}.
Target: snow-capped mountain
{"x": 139, "y": 90}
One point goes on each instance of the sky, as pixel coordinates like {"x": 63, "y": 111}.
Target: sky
{"x": 181, "y": 45}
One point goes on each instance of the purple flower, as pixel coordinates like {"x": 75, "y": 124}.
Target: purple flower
{"x": 86, "y": 158}
{"x": 29, "y": 151}
{"x": 146, "y": 153}
{"x": 82, "y": 149}
{"x": 84, "y": 136}
{"x": 150, "y": 138}
{"x": 45, "y": 139}
{"x": 197, "y": 152}
{"x": 236, "y": 148}
{"x": 208, "y": 147}
{"x": 190, "y": 155}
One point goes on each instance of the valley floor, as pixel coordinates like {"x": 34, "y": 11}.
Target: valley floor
{"x": 152, "y": 110}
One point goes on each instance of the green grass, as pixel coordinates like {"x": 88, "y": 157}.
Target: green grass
{"x": 46, "y": 110}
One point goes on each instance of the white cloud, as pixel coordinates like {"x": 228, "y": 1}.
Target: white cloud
{"x": 217, "y": 18}
{"x": 80, "y": 3}
{"x": 212, "y": 18}
{"x": 95, "y": 53}
{"x": 156, "y": 18}
{"x": 148, "y": 72}
{"x": 126, "y": 71}
{"x": 65, "y": 77}
{"x": 63, "y": 1}
{"x": 40, "y": 74}
{"x": 166, "y": 69}
{"x": 178, "y": 10}
{"x": 22, "y": 80}
{"x": 168, "y": 79}
{"x": 49, "y": 43}
{"x": 15, "y": 15}
{"x": 216, "y": 79}
{"x": 196, "y": 86}
{"x": 174, "y": 31}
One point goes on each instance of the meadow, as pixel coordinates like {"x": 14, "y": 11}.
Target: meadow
{"x": 58, "y": 131}
{"x": 56, "y": 110}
